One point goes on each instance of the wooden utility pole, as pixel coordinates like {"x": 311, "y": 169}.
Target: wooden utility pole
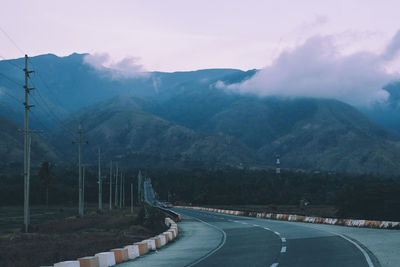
{"x": 100, "y": 184}
{"x": 110, "y": 185}
{"x": 123, "y": 191}
{"x": 131, "y": 197}
{"x": 83, "y": 189}
{"x": 80, "y": 141}
{"x": 120, "y": 191}
{"x": 27, "y": 150}
{"x": 116, "y": 188}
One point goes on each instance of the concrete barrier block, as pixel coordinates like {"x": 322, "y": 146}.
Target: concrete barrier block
{"x": 120, "y": 254}
{"x": 106, "y": 259}
{"x": 330, "y": 221}
{"x": 172, "y": 231}
{"x": 166, "y": 237}
{"x": 170, "y": 236}
{"x": 151, "y": 244}
{"x": 157, "y": 241}
{"x": 163, "y": 240}
{"x": 133, "y": 251}
{"x": 91, "y": 261}
{"x": 67, "y": 264}
{"x": 389, "y": 224}
{"x": 372, "y": 224}
{"x": 143, "y": 248}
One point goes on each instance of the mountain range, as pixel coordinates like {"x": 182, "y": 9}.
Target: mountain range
{"x": 181, "y": 120}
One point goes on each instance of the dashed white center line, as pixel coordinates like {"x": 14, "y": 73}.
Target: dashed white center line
{"x": 266, "y": 228}
{"x": 256, "y": 225}
{"x": 283, "y": 250}
{"x": 274, "y": 264}
{"x": 277, "y": 233}
{"x": 283, "y": 239}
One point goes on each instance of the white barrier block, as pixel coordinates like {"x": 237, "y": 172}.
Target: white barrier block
{"x": 163, "y": 240}
{"x": 133, "y": 251}
{"x": 170, "y": 236}
{"x": 151, "y": 244}
{"x": 310, "y": 219}
{"x": 174, "y": 230}
{"x": 357, "y": 223}
{"x": 106, "y": 259}
{"x": 67, "y": 264}
{"x": 330, "y": 221}
{"x": 389, "y": 224}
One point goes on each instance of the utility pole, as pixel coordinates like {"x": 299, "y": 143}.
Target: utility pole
{"x": 140, "y": 190}
{"x": 83, "y": 189}
{"x": 80, "y": 205}
{"x": 111, "y": 185}
{"x": 27, "y": 143}
{"x": 100, "y": 185}
{"x": 116, "y": 188}
{"x": 123, "y": 191}
{"x": 120, "y": 191}
{"x": 131, "y": 197}
{"x": 278, "y": 165}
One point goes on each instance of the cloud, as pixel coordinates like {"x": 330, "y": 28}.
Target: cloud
{"x": 316, "y": 69}
{"x": 317, "y": 21}
{"x": 125, "y": 68}
{"x": 393, "y": 48}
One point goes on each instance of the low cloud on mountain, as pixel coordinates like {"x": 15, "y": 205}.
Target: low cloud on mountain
{"x": 126, "y": 68}
{"x": 317, "y": 69}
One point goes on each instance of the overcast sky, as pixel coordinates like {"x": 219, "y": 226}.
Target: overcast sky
{"x": 170, "y": 35}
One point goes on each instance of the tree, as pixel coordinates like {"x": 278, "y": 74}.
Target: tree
{"x": 46, "y": 178}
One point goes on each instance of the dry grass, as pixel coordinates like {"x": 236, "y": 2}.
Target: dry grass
{"x": 69, "y": 238}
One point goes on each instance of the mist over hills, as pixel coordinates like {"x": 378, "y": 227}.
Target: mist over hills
{"x": 178, "y": 120}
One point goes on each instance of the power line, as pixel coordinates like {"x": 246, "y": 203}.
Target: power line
{"x": 40, "y": 122}
{"x": 52, "y": 115}
{"x": 11, "y": 80}
{"x": 11, "y": 40}
{"x": 47, "y": 133}
{"x": 51, "y": 91}
{"x": 11, "y": 96}
{"x": 10, "y": 62}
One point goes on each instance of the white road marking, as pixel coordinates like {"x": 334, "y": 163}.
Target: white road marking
{"x": 266, "y": 228}
{"x": 283, "y": 250}
{"x": 256, "y": 225}
{"x": 367, "y": 258}
{"x": 216, "y": 249}
{"x": 277, "y": 233}
{"x": 274, "y": 264}
{"x": 283, "y": 239}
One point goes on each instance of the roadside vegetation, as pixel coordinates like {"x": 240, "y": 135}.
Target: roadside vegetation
{"x": 55, "y": 235}
{"x": 317, "y": 194}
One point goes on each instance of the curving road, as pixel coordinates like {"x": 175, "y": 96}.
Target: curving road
{"x": 213, "y": 239}
{"x": 259, "y": 242}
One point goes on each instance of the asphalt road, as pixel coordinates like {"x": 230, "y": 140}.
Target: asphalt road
{"x": 213, "y": 239}
{"x": 259, "y": 242}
